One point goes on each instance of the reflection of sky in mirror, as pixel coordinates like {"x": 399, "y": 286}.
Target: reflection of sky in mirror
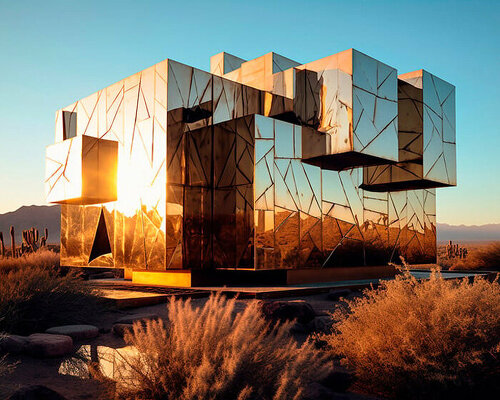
{"x": 54, "y": 53}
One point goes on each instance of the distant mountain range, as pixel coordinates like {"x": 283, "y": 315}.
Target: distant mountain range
{"x": 40, "y": 217}
{"x": 50, "y": 217}
{"x": 464, "y": 233}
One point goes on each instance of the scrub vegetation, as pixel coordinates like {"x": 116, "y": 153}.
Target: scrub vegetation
{"x": 35, "y": 294}
{"x": 215, "y": 353}
{"x": 481, "y": 256}
{"x": 422, "y": 339}
{"x": 43, "y": 258}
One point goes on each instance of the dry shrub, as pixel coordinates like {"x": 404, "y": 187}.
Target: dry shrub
{"x": 215, "y": 353}
{"x": 484, "y": 257}
{"x": 43, "y": 258}
{"x": 34, "y": 299}
{"x": 423, "y": 339}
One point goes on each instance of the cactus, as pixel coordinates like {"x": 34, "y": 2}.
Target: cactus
{"x": 2, "y": 246}
{"x": 43, "y": 240}
{"x": 31, "y": 242}
{"x": 12, "y": 242}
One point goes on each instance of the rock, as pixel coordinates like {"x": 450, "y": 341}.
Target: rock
{"x": 288, "y": 310}
{"x": 120, "y": 329}
{"x": 45, "y": 345}
{"x": 13, "y": 344}
{"x": 36, "y": 392}
{"x": 316, "y": 391}
{"x": 338, "y": 380}
{"x": 299, "y": 328}
{"x": 337, "y": 294}
{"x": 130, "y": 319}
{"x": 104, "y": 330}
{"x": 321, "y": 324}
{"x": 77, "y": 332}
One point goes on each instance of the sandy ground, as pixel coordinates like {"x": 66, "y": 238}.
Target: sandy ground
{"x": 31, "y": 371}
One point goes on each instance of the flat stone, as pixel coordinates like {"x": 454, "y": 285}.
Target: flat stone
{"x": 46, "y": 345}
{"x": 130, "y": 319}
{"x": 321, "y": 324}
{"x": 13, "y": 344}
{"x": 288, "y": 310}
{"x": 120, "y": 329}
{"x": 36, "y": 392}
{"x": 77, "y": 332}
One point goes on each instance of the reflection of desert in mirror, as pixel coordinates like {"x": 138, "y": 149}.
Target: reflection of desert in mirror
{"x": 249, "y": 201}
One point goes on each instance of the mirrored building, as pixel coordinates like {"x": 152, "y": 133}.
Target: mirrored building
{"x": 302, "y": 170}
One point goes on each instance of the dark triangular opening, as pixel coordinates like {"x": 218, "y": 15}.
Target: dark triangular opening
{"x": 101, "y": 243}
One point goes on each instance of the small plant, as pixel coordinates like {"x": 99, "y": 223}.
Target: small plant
{"x": 422, "y": 339}
{"x": 33, "y": 299}
{"x": 214, "y": 353}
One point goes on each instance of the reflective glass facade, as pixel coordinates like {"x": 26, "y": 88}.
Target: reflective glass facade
{"x": 259, "y": 164}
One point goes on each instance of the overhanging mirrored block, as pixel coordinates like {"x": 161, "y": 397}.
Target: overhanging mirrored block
{"x": 81, "y": 170}
{"x": 351, "y": 99}
{"x": 427, "y": 152}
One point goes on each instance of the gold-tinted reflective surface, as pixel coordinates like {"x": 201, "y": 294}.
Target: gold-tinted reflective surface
{"x": 427, "y": 149}
{"x": 258, "y": 164}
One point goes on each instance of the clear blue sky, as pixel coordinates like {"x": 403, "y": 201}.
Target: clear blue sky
{"x": 55, "y": 52}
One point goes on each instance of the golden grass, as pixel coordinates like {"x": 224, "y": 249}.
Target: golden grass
{"x": 422, "y": 339}
{"x": 43, "y": 258}
{"x": 215, "y": 353}
{"x": 481, "y": 257}
{"x": 35, "y": 294}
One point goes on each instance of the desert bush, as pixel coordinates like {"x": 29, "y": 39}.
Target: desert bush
{"x": 34, "y": 299}
{"x": 484, "y": 257}
{"x": 422, "y": 339}
{"x": 43, "y": 258}
{"x": 215, "y": 353}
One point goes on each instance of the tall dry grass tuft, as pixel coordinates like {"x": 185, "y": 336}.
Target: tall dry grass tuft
{"x": 43, "y": 258}
{"x": 34, "y": 299}
{"x": 214, "y": 353}
{"x": 423, "y": 339}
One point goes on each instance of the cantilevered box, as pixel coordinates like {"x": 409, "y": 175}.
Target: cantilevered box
{"x": 349, "y": 99}
{"x": 81, "y": 170}
{"x": 427, "y": 152}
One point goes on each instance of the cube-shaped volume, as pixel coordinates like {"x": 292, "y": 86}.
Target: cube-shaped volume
{"x": 81, "y": 170}
{"x": 426, "y": 137}
{"x": 351, "y": 99}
